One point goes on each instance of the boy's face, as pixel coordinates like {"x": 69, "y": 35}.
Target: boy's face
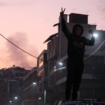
{"x": 78, "y": 31}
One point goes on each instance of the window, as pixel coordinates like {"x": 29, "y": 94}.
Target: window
{"x": 41, "y": 61}
{"x": 40, "y": 73}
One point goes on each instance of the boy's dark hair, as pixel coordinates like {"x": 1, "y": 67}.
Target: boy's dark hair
{"x": 75, "y": 26}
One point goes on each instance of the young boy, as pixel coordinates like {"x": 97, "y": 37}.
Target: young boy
{"x": 76, "y": 49}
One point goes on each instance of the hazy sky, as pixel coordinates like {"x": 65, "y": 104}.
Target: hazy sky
{"x": 28, "y": 23}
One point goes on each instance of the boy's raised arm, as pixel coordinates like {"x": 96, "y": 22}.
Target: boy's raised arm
{"x": 63, "y": 24}
{"x": 90, "y": 42}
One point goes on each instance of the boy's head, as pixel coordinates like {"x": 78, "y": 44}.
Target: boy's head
{"x": 77, "y": 30}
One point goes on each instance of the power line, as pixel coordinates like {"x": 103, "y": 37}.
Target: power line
{"x": 95, "y": 50}
{"x": 19, "y": 47}
{"x": 15, "y": 44}
{"x": 22, "y": 49}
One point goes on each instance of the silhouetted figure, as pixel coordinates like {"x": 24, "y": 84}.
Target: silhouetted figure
{"x": 75, "y": 51}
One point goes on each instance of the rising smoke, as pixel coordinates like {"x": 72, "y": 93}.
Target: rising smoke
{"x": 16, "y": 55}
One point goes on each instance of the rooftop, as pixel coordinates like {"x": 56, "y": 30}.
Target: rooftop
{"x": 51, "y": 37}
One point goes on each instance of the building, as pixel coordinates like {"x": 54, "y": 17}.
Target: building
{"x": 42, "y": 73}
{"x": 37, "y": 93}
{"x": 57, "y": 54}
{"x": 30, "y": 88}
{"x": 14, "y": 91}
{"x": 13, "y": 78}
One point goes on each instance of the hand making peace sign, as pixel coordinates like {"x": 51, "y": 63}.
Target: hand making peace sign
{"x": 62, "y": 12}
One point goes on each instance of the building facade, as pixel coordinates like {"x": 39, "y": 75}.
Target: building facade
{"x": 30, "y": 88}
{"x": 42, "y": 73}
{"x": 94, "y": 59}
{"x": 11, "y": 84}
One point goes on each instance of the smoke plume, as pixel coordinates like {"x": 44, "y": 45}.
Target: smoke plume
{"x": 19, "y": 57}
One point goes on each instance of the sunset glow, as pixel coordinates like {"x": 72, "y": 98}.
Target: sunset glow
{"x": 28, "y": 23}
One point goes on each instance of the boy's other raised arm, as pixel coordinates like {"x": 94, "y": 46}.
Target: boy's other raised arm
{"x": 63, "y": 24}
{"x": 90, "y": 42}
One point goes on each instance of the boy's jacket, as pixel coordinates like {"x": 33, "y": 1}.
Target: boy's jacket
{"x": 76, "y": 44}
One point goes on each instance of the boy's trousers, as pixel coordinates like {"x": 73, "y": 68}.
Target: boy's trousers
{"x": 75, "y": 69}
